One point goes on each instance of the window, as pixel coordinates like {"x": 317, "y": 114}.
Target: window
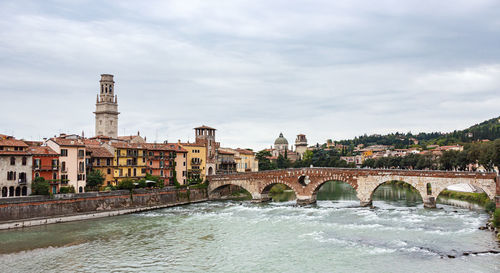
{"x": 109, "y": 171}
{"x": 81, "y": 167}
{"x": 12, "y": 160}
{"x": 54, "y": 175}
{"x": 143, "y": 171}
{"x": 108, "y": 161}
{"x": 63, "y": 166}
{"x": 184, "y": 163}
{"x": 98, "y": 162}
{"x": 161, "y": 172}
{"x": 37, "y": 175}
{"x": 81, "y": 153}
{"x": 64, "y": 152}
{"x": 37, "y": 163}
{"x": 22, "y": 177}
{"x": 24, "y": 161}
{"x": 11, "y": 175}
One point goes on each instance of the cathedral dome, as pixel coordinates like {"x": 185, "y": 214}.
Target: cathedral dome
{"x": 281, "y": 140}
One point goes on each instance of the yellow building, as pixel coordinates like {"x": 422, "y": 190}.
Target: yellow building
{"x": 100, "y": 159}
{"x": 196, "y": 155}
{"x": 129, "y": 160}
{"x": 246, "y": 161}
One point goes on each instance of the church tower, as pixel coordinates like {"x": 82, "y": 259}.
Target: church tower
{"x": 106, "y": 111}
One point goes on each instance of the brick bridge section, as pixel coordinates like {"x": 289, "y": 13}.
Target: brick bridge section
{"x": 306, "y": 182}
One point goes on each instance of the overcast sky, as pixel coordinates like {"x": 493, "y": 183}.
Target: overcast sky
{"x": 251, "y": 69}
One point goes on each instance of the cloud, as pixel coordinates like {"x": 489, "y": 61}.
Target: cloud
{"x": 250, "y": 68}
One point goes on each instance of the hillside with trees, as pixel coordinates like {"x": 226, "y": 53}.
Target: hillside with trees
{"x": 487, "y": 130}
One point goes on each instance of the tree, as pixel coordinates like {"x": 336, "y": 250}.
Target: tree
{"x": 264, "y": 162}
{"x": 126, "y": 184}
{"x": 95, "y": 179}
{"x": 282, "y": 162}
{"x": 40, "y": 187}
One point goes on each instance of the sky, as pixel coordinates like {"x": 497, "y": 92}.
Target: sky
{"x": 250, "y": 69}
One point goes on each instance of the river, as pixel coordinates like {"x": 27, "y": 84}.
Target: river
{"x": 337, "y": 235}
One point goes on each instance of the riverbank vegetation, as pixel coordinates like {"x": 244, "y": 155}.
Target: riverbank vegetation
{"x": 481, "y": 199}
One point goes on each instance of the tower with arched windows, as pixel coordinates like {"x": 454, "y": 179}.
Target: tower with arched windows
{"x": 106, "y": 113}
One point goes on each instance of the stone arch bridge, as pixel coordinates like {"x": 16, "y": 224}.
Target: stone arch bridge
{"x": 305, "y": 182}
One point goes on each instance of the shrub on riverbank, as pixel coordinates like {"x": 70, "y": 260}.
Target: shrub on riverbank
{"x": 40, "y": 187}
{"x": 496, "y": 218}
{"x": 69, "y": 189}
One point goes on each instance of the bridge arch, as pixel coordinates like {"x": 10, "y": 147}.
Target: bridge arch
{"x": 214, "y": 192}
{"x": 422, "y": 195}
{"x": 266, "y": 187}
{"x": 490, "y": 189}
{"x": 317, "y": 186}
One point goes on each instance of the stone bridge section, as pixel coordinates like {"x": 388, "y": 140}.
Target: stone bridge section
{"x": 307, "y": 181}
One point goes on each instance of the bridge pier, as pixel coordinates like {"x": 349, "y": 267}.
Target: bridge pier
{"x": 260, "y": 198}
{"x": 430, "y": 202}
{"x": 305, "y": 200}
{"x": 366, "y": 203}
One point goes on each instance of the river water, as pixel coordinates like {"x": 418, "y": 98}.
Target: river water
{"x": 399, "y": 235}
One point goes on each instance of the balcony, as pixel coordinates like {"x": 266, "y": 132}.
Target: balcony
{"x": 22, "y": 181}
{"x": 45, "y": 167}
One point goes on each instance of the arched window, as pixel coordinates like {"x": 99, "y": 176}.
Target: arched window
{"x": 11, "y": 191}
{"x": 37, "y": 175}
{"x": 24, "y": 161}
{"x": 18, "y": 191}
{"x": 24, "y": 191}
{"x": 12, "y": 160}
{"x": 80, "y": 189}
{"x": 4, "y": 192}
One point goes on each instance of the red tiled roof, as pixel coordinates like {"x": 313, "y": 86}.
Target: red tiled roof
{"x": 41, "y": 150}
{"x": 12, "y": 142}
{"x": 176, "y": 147}
{"x": 244, "y": 151}
{"x": 99, "y": 152}
{"x": 91, "y": 142}
{"x": 68, "y": 142}
{"x": 126, "y": 145}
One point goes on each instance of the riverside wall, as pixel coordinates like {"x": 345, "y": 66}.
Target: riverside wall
{"x": 33, "y": 210}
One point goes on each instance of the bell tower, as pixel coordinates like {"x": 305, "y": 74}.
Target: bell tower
{"x": 106, "y": 111}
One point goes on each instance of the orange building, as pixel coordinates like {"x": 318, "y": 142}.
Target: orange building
{"x": 46, "y": 165}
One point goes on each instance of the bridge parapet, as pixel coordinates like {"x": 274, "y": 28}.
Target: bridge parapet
{"x": 307, "y": 181}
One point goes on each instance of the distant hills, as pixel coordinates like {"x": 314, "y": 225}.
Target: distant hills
{"x": 486, "y": 130}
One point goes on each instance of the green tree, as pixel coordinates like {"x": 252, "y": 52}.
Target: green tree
{"x": 264, "y": 161}
{"x": 40, "y": 187}
{"x": 95, "y": 179}
{"x": 126, "y": 184}
{"x": 282, "y": 162}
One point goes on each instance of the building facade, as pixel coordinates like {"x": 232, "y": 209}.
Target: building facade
{"x": 196, "y": 161}
{"x": 106, "y": 113}
{"x": 226, "y": 162}
{"x": 72, "y": 170}
{"x": 102, "y": 160}
{"x": 46, "y": 165}
{"x": 161, "y": 162}
{"x": 129, "y": 160}
{"x": 15, "y": 167}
